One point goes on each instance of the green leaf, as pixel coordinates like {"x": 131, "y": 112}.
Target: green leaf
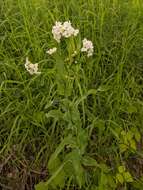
{"x": 132, "y": 109}
{"x": 88, "y": 161}
{"x": 123, "y": 133}
{"x": 79, "y": 172}
{"x": 64, "y": 83}
{"x": 137, "y": 184}
{"x": 137, "y": 135}
{"x": 39, "y": 116}
{"x": 82, "y": 140}
{"x": 59, "y": 179}
{"x": 93, "y": 187}
{"x": 128, "y": 177}
{"x": 111, "y": 182}
{"x": 133, "y": 144}
{"x": 90, "y": 92}
{"x": 72, "y": 114}
{"x": 120, "y": 178}
{"x": 103, "y": 182}
{"x": 103, "y": 88}
{"x": 104, "y": 168}
{"x": 75, "y": 158}
{"x": 54, "y": 164}
{"x": 123, "y": 147}
{"x": 56, "y": 114}
{"x": 129, "y": 135}
{"x": 68, "y": 168}
{"x": 60, "y": 68}
{"x": 56, "y": 168}
{"x": 61, "y": 146}
{"x": 121, "y": 169}
{"x": 41, "y": 186}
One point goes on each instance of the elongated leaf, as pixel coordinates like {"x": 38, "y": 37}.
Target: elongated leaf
{"x": 56, "y": 114}
{"x": 82, "y": 140}
{"x": 119, "y": 178}
{"x": 55, "y": 175}
{"x": 128, "y": 177}
{"x": 61, "y": 146}
{"x": 121, "y": 169}
{"x": 75, "y": 158}
{"x": 41, "y": 186}
{"x": 88, "y": 161}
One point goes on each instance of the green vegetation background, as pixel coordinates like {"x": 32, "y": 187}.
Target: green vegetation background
{"x": 95, "y": 127}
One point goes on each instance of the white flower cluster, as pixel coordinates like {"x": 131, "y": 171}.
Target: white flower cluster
{"x": 51, "y": 51}
{"x": 65, "y": 29}
{"x": 59, "y": 31}
{"x": 31, "y": 68}
{"x": 87, "y": 47}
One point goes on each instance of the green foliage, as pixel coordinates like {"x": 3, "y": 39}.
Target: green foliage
{"x": 128, "y": 140}
{"x": 81, "y": 116}
{"x": 41, "y": 186}
{"x": 123, "y": 176}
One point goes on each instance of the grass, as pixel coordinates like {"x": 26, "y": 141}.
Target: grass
{"x": 75, "y": 125}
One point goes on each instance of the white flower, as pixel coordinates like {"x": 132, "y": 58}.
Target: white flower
{"x": 66, "y": 30}
{"x": 51, "y": 51}
{"x": 57, "y": 31}
{"x": 76, "y": 32}
{"x": 69, "y": 30}
{"x": 87, "y": 47}
{"x": 31, "y": 68}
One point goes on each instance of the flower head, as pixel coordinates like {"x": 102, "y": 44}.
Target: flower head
{"x": 51, "y": 51}
{"x": 65, "y": 29}
{"x": 87, "y": 47}
{"x": 69, "y": 30}
{"x": 31, "y": 68}
{"x": 57, "y": 31}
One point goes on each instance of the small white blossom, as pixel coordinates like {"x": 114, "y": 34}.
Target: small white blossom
{"x": 51, "y": 51}
{"x": 66, "y": 30}
{"x": 76, "y": 32}
{"x": 87, "y": 47}
{"x": 31, "y": 68}
{"x": 57, "y": 31}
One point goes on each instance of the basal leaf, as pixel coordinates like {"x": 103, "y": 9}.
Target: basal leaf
{"x": 128, "y": 177}
{"x": 90, "y": 162}
{"x": 41, "y": 186}
{"x": 121, "y": 169}
{"x": 61, "y": 146}
{"x": 75, "y": 158}
{"x": 133, "y": 144}
{"x": 56, "y": 114}
{"x": 119, "y": 178}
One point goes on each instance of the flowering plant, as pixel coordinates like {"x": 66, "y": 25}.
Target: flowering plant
{"x": 64, "y": 69}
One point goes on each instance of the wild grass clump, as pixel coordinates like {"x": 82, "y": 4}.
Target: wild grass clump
{"x": 71, "y": 87}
